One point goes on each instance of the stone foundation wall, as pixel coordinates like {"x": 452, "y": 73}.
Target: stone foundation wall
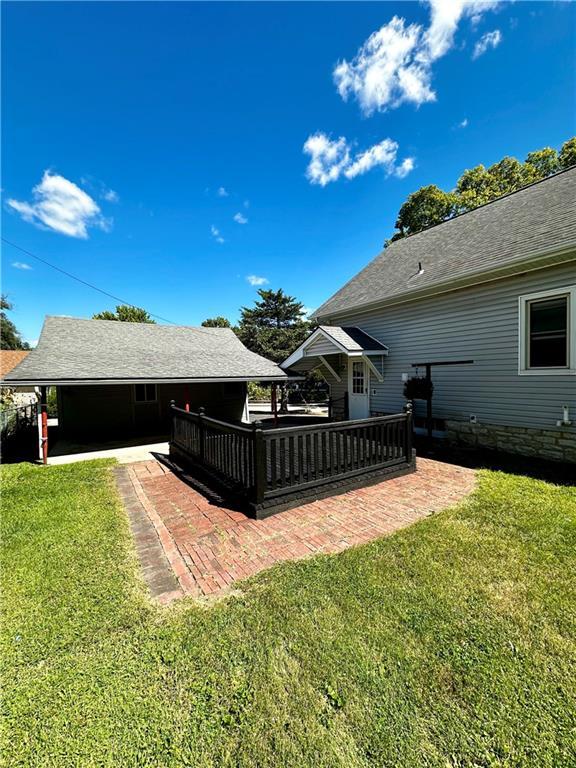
{"x": 556, "y": 444}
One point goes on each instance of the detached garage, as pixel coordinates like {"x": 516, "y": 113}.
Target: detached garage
{"x": 117, "y": 379}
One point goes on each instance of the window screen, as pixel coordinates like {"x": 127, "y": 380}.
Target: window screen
{"x": 548, "y": 333}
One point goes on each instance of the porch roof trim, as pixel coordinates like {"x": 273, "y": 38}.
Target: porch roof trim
{"x": 345, "y": 340}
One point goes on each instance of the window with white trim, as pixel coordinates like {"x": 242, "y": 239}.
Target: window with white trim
{"x": 548, "y": 332}
{"x": 145, "y": 393}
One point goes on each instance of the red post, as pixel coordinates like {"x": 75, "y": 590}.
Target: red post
{"x": 44, "y": 424}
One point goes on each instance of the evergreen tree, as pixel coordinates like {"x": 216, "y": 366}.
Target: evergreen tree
{"x": 273, "y": 328}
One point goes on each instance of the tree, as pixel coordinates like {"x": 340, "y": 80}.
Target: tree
{"x": 10, "y": 337}
{"x": 510, "y": 174}
{"x": 273, "y": 328}
{"x": 125, "y": 313}
{"x": 428, "y": 206}
{"x": 567, "y": 155}
{"x": 216, "y": 322}
{"x": 475, "y": 187}
{"x": 479, "y": 185}
{"x": 545, "y": 162}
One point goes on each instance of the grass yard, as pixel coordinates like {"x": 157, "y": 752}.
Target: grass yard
{"x": 451, "y": 643}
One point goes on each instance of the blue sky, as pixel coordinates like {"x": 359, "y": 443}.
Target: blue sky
{"x": 134, "y": 133}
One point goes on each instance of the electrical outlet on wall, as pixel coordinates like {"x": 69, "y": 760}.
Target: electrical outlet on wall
{"x": 473, "y": 419}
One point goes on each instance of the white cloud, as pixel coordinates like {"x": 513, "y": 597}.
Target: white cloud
{"x": 222, "y": 192}
{"x": 216, "y": 234}
{"x": 21, "y": 265}
{"x": 33, "y": 343}
{"x": 110, "y": 196}
{"x": 240, "y": 218}
{"x": 463, "y": 123}
{"x": 394, "y": 65}
{"x": 257, "y": 280}
{"x": 489, "y": 40}
{"x": 404, "y": 168}
{"x": 332, "y": 158}
{"x": 61, "y": 205}
{"x": 307, "y": 311}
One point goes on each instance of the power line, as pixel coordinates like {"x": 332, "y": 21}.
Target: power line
{"x": 84, "y": 282}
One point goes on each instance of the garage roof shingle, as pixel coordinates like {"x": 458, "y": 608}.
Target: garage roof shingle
{"x": 73, "y": 349}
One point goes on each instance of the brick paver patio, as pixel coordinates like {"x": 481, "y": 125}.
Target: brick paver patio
{"x": 209, "y": 547}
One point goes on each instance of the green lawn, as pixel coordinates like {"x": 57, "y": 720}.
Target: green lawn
{"x": 452, "y": 643}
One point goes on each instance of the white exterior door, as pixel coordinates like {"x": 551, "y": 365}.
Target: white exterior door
{"x": 358, "y": 393}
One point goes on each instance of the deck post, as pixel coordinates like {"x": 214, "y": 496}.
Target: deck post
{"x": 171, "y": 409}
{"x": 201, "y": 433}
{"x": 259, "y": 463}
{"x": 346, "y": 411}
{"x": 429, "y": 402}
{"x": 408, "y": 427}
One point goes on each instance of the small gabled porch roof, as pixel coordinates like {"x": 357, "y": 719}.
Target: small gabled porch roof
{"x": 332, "y": 340}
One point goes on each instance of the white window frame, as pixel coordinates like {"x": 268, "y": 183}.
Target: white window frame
{"x": 143, "y": 402}
{"x": 523, "y": 332}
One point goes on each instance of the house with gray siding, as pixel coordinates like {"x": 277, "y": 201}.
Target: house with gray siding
{"x": 116, "y": 379}
{"x": 493, "y": 290}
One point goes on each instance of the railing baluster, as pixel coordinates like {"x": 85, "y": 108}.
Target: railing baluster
{"x": 282, "y": 442}
{"x": 291, "y": 477}
{"x": 273, "y": 468}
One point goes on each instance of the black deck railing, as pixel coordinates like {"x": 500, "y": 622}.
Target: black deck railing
{"x": 267, "y": 466}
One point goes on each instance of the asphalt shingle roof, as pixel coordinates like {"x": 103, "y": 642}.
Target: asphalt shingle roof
{"x": 535, "y": 220}
{"x": 352, "y": 338}
{"x": 71, "y": 349}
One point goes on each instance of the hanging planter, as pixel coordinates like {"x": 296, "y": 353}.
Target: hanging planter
{"x": 418, "y": 388}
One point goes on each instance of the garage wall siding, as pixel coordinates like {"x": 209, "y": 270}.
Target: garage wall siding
{"x": 110, "y": 410}
{"x": 478, "y": 323}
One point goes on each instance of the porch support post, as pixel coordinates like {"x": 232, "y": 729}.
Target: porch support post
{"x": 327, "y": 365}
{"x": 373, "y": 368}
{"x": 44, "y": 424}
{"x": 275, "y": 402}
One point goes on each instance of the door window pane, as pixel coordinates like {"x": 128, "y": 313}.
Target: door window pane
{"x": 357, "y": 378}
{"x": 145, "y": 393}
{"x": 548, "y": 333}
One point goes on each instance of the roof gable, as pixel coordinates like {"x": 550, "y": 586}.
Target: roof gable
{"x": 532, "y": 222}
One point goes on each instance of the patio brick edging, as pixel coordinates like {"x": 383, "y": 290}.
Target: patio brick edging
{"x": 162, "y": 566}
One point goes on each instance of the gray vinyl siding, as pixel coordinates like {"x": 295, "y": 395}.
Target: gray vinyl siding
{"x": 478, "y": 323}
{"x": 320, "y": 346}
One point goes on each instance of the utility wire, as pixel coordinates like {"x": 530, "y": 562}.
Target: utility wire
{"x": 84, "y": 282}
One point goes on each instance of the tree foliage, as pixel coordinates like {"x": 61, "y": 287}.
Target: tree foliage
{"x": 431, "y": 205}
{"x": 125, "y": 313}
{"x": 428, "y": 206}
{"x": 275, "y": 326}
{"x": 10, "y": 337}
{"x": 567, "y": 155}
{"x": 216, "y": 322}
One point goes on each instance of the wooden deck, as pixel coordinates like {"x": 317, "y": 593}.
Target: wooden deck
{"x": 273, "y": 468}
